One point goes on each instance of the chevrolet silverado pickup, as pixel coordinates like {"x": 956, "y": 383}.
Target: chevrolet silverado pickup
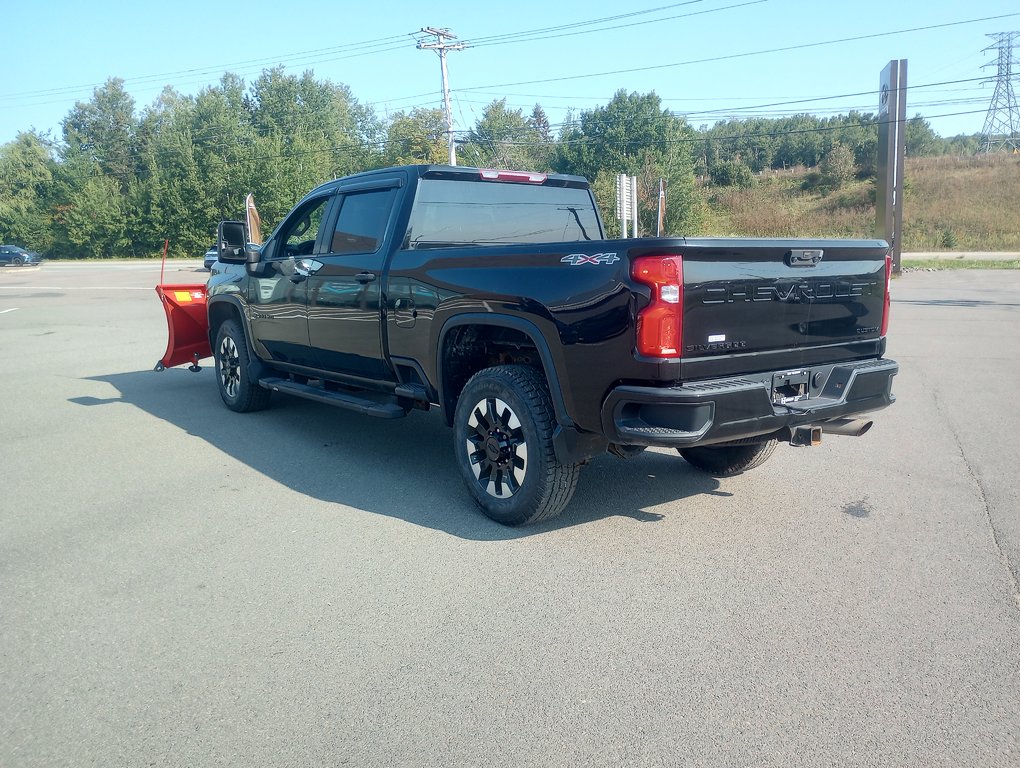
{"x": 496, "y": 297}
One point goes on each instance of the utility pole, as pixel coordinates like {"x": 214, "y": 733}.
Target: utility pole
{"x": 441, "y": 47}
{"x": 1002, "y": 124}
{"x": 662, "y": 209}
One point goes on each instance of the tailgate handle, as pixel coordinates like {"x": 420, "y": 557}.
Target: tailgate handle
{"x": 804, "y": 257}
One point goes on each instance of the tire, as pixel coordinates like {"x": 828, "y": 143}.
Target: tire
{"x": 503, "y": 428}
{"x": 729, "y": 460}
{"x": 232, "y": 358}
{"x": 18, "y": 261}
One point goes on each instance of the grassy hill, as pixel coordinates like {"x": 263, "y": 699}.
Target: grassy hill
{"x": 950, "y": 203}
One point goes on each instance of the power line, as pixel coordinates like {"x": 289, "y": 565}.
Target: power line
{"x": 495, "y": 38}
{"x": 482, "y": 89}
{"x": 525, "y": 37}
{"x": 362, "y": 48}
{"x": 728, "y": 57}
{"x": 224, "y": 68}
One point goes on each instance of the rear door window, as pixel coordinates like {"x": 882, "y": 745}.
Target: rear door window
{"x": 361, "y": 225}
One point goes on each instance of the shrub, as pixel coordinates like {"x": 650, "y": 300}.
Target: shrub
{"x": 730, "y": 173}
{"x": 838, "y": 167}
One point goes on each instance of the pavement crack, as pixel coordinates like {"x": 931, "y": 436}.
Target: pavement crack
{"x": 1011, "y": 575}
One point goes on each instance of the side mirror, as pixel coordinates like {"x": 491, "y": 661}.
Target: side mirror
{"x": 231, "y": 242}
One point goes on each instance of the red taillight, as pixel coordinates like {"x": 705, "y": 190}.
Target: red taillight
{"x": 660, "y": 324}
{"x": 888, "y": 297}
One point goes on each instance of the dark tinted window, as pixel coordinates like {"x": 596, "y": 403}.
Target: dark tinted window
{"x": 450, "y": 213}
{"x": 362, "y": 221}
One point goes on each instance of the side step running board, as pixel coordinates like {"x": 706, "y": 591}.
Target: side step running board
{"x": 370, "y": 404}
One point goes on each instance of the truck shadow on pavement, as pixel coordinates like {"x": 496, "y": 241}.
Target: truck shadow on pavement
{"x": 401, "y": 468}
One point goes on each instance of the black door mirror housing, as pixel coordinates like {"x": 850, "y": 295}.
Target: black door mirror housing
{"x": 231, "y": 242}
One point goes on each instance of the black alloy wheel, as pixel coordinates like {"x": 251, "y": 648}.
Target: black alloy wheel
{"x": 497, "y": 449}
{"x": 503, "y": 430}
{"x": 237, "y": 390}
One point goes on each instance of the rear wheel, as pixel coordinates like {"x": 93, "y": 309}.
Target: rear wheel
{"x": 728, "y": 460}
{"x": 237, "y": 389}
{"x": 503, "y": 430}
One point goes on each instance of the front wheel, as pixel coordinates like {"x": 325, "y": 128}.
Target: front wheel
{"x": 728, "y": 460}
{"x": 503, "y": 429}
{"x": 237, "y": 389}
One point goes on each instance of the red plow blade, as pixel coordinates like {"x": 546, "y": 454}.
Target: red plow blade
{"x": 184, "y": 305}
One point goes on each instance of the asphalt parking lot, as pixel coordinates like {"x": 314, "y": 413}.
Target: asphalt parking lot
{"x": 182, "y": 585}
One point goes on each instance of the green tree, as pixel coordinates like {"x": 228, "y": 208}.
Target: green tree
{"x": 319, "y": 126}
{"x": 103, "y": 131}
{"x": 172, "y": 200}
{"x": 505, "y": 138}
{"x": 634, "y": 135}
{"x": 921, "y": 140}
{"x": 94, "y": 217}
{"x": 26, "y": 174}
{"x": 731, "y": 173}
{"x": 416, "y": 137}
{"x": 224, "y": 140}
{"x": 838, "y": 167}
{"x": 964, "y": 145}
{"x": 539, "y": 123}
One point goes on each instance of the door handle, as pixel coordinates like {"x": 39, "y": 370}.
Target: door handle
{"x": 365, "y": 277}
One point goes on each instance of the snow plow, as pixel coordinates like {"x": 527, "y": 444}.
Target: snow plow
{"x": 185, "y": 308}
{"x": 188, "y": 325}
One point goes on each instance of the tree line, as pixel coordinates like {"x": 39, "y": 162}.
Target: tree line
{"x": 118, "y": 181}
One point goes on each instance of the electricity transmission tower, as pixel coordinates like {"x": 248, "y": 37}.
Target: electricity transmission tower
{"x": 1002, "y": 125}
{"x": 441, "y": 47}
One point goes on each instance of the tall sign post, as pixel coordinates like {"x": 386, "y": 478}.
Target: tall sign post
{"x": 633, "y": 202}
{"x": 892, "y": 123}
{"x": 626, "y": 202}
{"x": 661, "y": 221}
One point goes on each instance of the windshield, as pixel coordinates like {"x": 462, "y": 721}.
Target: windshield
{"x": 451, "y": 212}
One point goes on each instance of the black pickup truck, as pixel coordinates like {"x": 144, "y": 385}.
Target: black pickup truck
{"x": 496, "y": 297}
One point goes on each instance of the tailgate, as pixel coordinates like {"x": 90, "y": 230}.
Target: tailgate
{"x": 766, "y": 304}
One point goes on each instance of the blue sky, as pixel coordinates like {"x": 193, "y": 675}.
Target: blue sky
{"x": 704, "y": 58}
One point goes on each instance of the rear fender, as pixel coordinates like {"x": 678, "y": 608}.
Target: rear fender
{"x": 448, "y": 396}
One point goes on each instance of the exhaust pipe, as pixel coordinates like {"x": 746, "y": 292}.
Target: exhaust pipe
{"x": 848, "y": 427}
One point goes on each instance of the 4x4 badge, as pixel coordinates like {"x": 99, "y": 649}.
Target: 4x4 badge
{"x": 576, "y": 259}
